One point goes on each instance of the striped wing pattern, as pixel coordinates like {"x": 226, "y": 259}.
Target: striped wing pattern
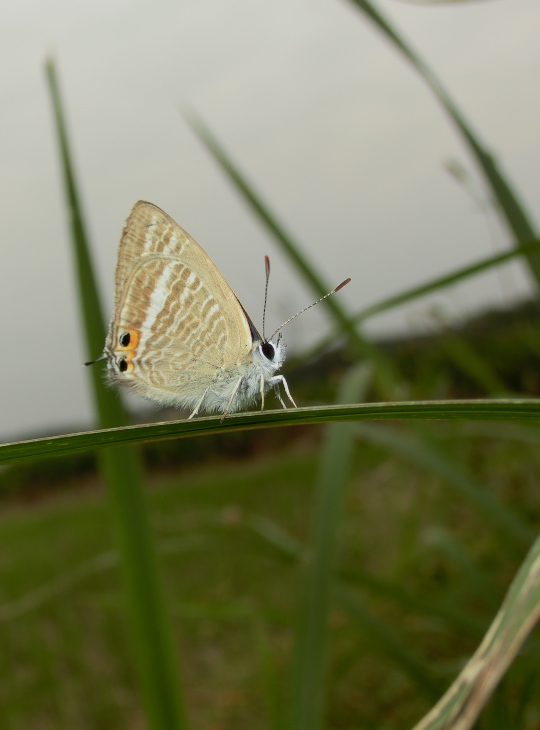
{"x": 177, "y": 322}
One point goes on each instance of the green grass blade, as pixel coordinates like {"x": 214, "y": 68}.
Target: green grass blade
{"x": 270, "y": 677}
{"x": 511, "y": 209}
{"x": 60, "y": 585}
{"x": 503, "y": 409}
{"x": 149, "y": 627}
{"x": 440, "y": 282}
{"x": 388, "y": 642}
{"x": 261, "y": 210}
{"x": 449, "y": 611}
{"x": 289, "y": 549}
{"x": 110, "y": 411}
{"x": 514, "y": 431}
{"x": 292, "y": 248}
{"x": 434, "y": 285}
{"x": 476, "y": 368}
{"x": 428, "y": 456}
{"x": 474, "y": 578}
{"x": 520, "y": 611}
{"x": 309, "y": 661}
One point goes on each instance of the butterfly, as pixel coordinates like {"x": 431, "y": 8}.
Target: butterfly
{"x": 179, "y": 335}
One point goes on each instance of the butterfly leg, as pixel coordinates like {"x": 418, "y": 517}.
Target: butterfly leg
{"x": 280, "y": 398}
{"x": 262, "y": 392}
{"x": 231, "y": 399}
{"x": 199, "y": 402}
{"x": 280, "y": 379}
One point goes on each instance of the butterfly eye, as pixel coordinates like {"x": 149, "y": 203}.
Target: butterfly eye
{"x": 122, "y": 364}
{"x": 124, "y": 339}
{"x": 268, "y": 350}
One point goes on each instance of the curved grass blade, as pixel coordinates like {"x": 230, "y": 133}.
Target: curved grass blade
{"x": 57, "y": 586}
{"x": 474, "y": 579}
{"x": 431, "y": 286}
{"x": 289, "y": 549}
{"x": 110, "y": 411}
{"x": 270, "y": 676}
{"x": 388, "y": 642}
{"x": 430, "y": 457}
{"x": 291, "y": 247}
{"x": 467, "y": 410}
{"x": 477, "y": 368}
{"x": 442, "y": 281}
{"x": 122, "y": 474}
{"x": 385, "y": 372}
{"x": 309, "y": 662}
{"x": 394, "y": 591}
{"x": 508, "y": 205}
{"x": 459, "y": 708}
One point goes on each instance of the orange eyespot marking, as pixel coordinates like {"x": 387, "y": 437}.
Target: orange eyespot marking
{"x": 128, "y": 339}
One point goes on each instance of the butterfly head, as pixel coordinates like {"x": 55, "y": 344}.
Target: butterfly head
{"x": 270, "y": 354}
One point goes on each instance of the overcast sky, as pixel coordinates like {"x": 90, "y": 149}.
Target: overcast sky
{"x": 339, "y": 135}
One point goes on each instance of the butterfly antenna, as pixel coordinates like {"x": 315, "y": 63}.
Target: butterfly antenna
{"x": 343, "y": 283}
{"x": 93, "y": 362}
{"x": 267, "y": 272}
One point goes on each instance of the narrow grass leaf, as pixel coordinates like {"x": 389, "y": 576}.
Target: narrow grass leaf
{"x": 515, "y": 431}
{"x": 429, "y": 456}
{"x": 121, "y": 470}
{"x": 309, "y": 660}
{"x": 290, "y": 549}
{"x": 435, "y": 285}
{"x": 502, "y": 409}
{"x": 451, "y": 612}
{"x": 35, "y": 598}
{"x": 508, "y": 204}
{"x": 473, "y": 576}
{"x": 385, "y": 638}
{"x": 270, "y": 678}
{"x": 440, "y": 282}
{"x": 476, "y": 367}
{"x": 109, "y": 408}
{"x": 363, "y": 347}
{"x": 65, "y": 581}
{"x": 459, "y": 708}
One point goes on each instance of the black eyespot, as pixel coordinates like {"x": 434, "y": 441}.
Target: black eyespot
{"x": 124, "y": 339}
{"x": 122, "y": 365}
{"x": 268, "y": 350}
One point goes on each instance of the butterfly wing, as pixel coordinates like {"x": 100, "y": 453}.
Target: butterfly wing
{"x": 177, "y": 322}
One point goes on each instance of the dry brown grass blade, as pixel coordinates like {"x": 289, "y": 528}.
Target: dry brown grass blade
{"x": 460, "y": 706}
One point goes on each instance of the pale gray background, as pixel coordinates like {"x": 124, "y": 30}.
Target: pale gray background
{"x": 335, "y": 130}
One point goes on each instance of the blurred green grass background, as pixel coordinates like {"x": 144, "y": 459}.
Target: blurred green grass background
{"x": 231, "y": 516}
{"x": 415, "y": 556}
